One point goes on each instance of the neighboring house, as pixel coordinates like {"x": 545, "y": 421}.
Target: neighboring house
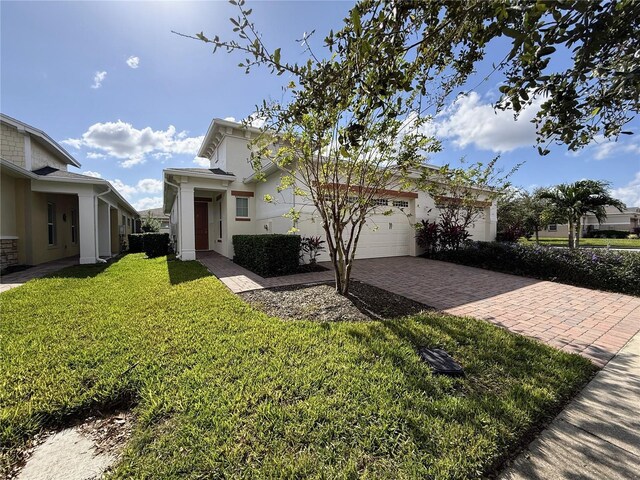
{"x": 50, "y": 213}
{"x": 159, "y": 215}
{"x": 208, "y": 206}
{"x": 626, "y": 221}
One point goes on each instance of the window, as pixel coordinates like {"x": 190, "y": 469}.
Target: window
{"x": 74, "y": 226}
{"x": 51, "y": 223}
{"x": 553, "y": 227}
{"x": 220, "y": 221}
{"x": 401, "y": 203}
{"x": 380, "y": 202}
{"x": 242, "y": 207}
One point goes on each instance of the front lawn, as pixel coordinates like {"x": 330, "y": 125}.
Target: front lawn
{"x": 587, "y": 242}
{"x": 221, "y": 390}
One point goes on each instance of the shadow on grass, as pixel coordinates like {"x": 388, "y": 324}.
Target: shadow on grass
{"x": 84, "y": 271}
{"x": 516, "y": 384}
{"x": 182, "y": 272}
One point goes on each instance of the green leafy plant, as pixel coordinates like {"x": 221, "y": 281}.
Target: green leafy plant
{"x": 267, "y": 255}
{"x": 311, "y": 246}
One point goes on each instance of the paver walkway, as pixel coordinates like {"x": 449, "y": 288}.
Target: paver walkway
{"x": 598, "y": 435}
{"x": 593, "y": 323}
{"x": 13, "y": 280}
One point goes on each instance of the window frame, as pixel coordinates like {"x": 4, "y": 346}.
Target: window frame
{"x": 239, "y": 214}
{"x": 553, "y": 227}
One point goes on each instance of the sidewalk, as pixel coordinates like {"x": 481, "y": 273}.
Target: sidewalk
{"x": 13, "y": 280}
{"x": 598, "y": 435}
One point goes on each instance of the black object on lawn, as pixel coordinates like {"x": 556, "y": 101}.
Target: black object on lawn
{"x": 441, "y": 362}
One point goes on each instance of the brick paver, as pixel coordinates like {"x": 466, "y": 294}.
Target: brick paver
{"x": 13, "y": 280}
{"x": 593, "y": 323}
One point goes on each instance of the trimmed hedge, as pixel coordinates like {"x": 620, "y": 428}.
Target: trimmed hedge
{"x": 267, "y": 255}
{"x": 153, "y": 244}
{"x": 603, "y": 269}
{"x": 136, "y": 244}
{"x": 606, "y": 234}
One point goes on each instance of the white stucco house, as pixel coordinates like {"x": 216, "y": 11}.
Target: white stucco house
{"x": 50, "y": 213}
{"x": 208, "y": 206}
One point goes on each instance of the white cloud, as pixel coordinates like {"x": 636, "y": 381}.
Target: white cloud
{"x": 95, "y": 155}
{"x": 92, "y": 174}
{"x": 630, "y": 193}
{"x": 124, "y": 189}
{"x": 230, "y": 119}
{"x": 98, "y": 78}
{"x": 604, "y": 148}
{"x": 146, "y": 185}
{"x": 133, "y": 62}
{"x": 202, "y": 162}
{"x": 148, "y": 202}
{"x": 123, "y": 141}
{"x": 150, "y": 185}
{"x": 469, "y": 121}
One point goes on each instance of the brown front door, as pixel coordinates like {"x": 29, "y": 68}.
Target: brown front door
{"x": 202, "y": 225}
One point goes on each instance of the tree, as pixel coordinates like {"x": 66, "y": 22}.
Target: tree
{"x": 436, "y": 45}
{"x": 574, "y": 200}
{"x": 522, "y": 214}
{"x": 150, "y": 224}
{"x": 462, "y": 195}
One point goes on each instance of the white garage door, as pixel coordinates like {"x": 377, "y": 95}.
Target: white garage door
{"x": 385, "y": 236}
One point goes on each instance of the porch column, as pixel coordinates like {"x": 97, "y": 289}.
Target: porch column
{"x": 104, "y": 229}
{"x": 87, "y": 228}
{"x": 186, "y": 224}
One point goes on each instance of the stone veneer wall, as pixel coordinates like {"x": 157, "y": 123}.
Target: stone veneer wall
{"x": 8, "y": 252}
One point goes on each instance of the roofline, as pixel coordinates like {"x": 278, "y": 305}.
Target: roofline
{"x": 211, "y": 131}
{"x": 215, "y": 176}
{"x": 39, "y": 133}
{"x": 88, "y": 180}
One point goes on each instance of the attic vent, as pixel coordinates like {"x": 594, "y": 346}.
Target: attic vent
{"x": 441, "y": 362}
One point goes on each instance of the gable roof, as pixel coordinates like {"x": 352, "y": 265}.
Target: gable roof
{"x": 42, "y": 138}
{"x": 216, "y": 132}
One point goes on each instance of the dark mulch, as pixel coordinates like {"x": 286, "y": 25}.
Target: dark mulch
{"x": 322, "y": 303}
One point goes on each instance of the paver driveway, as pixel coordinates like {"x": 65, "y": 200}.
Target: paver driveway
{"x": 593, "y": 323}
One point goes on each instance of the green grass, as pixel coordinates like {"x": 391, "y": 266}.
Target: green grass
{"x": 221, "y": 390}
{"x": 587, "y": 242}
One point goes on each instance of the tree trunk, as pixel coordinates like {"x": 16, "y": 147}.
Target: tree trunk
{"x": 576, "y": 242}
{"x": 571, "y": 237}
{"x": 537, "y": 237}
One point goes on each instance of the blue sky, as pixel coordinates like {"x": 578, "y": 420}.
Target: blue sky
{"x": 128, "y": 98}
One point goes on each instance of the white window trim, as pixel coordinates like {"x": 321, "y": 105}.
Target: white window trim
{"x": 52, "y": 224}
{"x": 238, "y": 199}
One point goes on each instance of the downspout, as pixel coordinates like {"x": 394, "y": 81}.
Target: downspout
{"x": 108, "y": 190}
{"x": 177, "y": 187}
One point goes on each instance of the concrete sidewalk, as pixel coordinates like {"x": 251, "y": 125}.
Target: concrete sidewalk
{"x": 598, "y": 435}
{"x": 13, "y": 280}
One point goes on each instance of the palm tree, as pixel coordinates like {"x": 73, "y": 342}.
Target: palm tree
{"x": 574, "y": 200}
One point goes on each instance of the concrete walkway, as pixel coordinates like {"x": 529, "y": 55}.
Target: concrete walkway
{"x": 13, "y": 280}
{"x": 598, "y": 435}
{"x": 592, "y": 323}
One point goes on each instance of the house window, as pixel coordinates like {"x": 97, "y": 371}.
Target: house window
{"x": 380, "y": 202}
{"x": 401, "y": 203}
{"x": 74, "y": 227}
{"x": 553, "y": 227}
{"x": 220, "y": 221}
{"x": 242, "y": 207}
{"x": 51, "y": 223}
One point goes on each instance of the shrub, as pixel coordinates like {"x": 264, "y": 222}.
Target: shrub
{"x": 311, "y": 246}
{"x": 267, "y": 255}
{"x": 512, "y": 233}
{"x": 156, "y": 244}
{"x": 633, "y": 236}
{"x": 606, "y": 234}
{"x": 594, "y": 268}
{"x": 136, "y": 244}
{"x": 427, "y": 235}
{"x": 153, "y": 244}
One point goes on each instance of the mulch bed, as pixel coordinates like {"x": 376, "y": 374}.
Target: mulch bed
{"x": 322, "y": 303}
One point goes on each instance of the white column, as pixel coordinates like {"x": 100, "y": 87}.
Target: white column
{"x": 104, "y": 229}
{"x": 87, "y": 228}
{"x": 186, "y": 224}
